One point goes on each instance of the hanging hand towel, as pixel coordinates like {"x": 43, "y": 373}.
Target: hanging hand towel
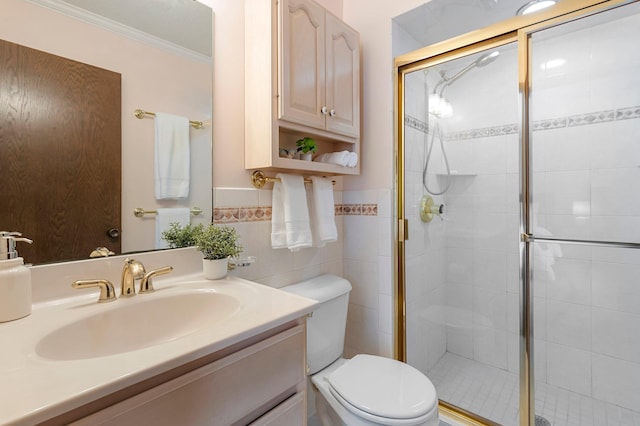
{"x": 172, "y": 157}
{"x": 295, "y": 212}
{"x": 278, "y": 231}
{"x": 323, "y": 214}
{"x": 164, "y": 219}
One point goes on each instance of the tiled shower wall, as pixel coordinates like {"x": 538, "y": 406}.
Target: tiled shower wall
{"x": 586, "y": 179}
{"x": 362, "y": 255}
{"x": 586, "y": 174}
{"x": 425, "y": 249}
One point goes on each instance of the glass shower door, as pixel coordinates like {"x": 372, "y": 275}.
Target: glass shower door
{"x": 585, "y": 218}
{"x": 461, "y": 183}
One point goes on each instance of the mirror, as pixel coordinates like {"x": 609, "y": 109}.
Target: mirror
{"x": 163, "y": 51}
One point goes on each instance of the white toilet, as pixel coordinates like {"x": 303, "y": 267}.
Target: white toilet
{"x": 366, "y": 389}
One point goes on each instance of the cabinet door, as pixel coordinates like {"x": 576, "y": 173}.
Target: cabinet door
{"x": 343, "y": 77}
{"x": 302, "y": 63}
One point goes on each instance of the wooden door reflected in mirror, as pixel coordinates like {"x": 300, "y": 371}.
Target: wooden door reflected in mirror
{"x": 60, "y": 148}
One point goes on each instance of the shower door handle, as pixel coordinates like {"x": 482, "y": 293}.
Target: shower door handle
{"x": 403, "y": 230}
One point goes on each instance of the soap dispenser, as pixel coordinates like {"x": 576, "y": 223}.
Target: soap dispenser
{"x": 15, "y": 279}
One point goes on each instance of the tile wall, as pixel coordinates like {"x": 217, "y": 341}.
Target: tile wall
{"x": 586, "y": 174}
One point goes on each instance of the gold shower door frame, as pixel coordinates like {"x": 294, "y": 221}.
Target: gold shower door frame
{"x": 518, "y": 29}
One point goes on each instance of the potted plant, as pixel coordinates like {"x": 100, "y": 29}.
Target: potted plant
{"x": 177, "y": 236}
{"x": 217, "y": 244}
{"x": 307, "y": 147}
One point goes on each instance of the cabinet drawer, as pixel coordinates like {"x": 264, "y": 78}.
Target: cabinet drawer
{"x": 219, "y": 393}
{"x": 289, "y": 413}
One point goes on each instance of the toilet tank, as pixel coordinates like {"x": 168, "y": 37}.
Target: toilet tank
{"x": 326, "y": 327}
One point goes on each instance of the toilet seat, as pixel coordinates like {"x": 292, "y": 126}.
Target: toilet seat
{"x": 383, "y": 390}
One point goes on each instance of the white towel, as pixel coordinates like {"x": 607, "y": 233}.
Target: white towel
{"x": 278, "y": 230}
{"x": 172, "y": 157}
{"x": 289, "y": 206}
{"x": 165, "y": 217}
{"x": 340, "y": 158}
{"x": 353, "y": 159}
{"x": 323, "y": 214}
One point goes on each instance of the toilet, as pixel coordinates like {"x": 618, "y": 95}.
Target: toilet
{"x": 366, "y": 389}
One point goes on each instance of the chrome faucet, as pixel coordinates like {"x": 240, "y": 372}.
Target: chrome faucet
{"x": 132, "y": 271}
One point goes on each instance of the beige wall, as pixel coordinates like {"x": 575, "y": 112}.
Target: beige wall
{"x": 152, "y": 79}
{"x": 377, "y": 97}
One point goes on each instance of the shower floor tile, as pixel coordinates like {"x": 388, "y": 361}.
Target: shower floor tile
{"x": 493, "y": 393}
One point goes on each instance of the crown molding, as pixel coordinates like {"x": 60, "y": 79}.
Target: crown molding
{"x": 121, "y": 29}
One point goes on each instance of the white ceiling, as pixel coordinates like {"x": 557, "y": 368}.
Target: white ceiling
{"x": 186, "y": 23}
{"x": 439, "y": 20}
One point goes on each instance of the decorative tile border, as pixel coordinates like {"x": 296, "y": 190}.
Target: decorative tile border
{"x": 416, "y": 123}
{"x": 369, "y": 210}
{"x": 507, "y": 129}
{"x": 548, "y": 124}
{"x": 356, "y": 210}
{"x": 222, "y": 215}
{"x": 591, "y": 118}
{"x": 627, "y": 113}
{"x": 553, "y": 123}
{"x": 226, "y": 215}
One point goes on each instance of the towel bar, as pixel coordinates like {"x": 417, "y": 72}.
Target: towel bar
{"x": 259, "y": 179}
{"x": 140, "y": 212}
{"x": 140, "y": 113}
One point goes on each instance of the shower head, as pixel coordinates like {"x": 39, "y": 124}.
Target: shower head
{"x": 487, "y": 58}
{"x": 482, "y": 61}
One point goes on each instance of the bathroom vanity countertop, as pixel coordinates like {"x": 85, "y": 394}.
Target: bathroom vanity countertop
{"x": 35, "y": 387}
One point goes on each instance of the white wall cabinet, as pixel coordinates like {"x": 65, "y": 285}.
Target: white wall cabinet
{"x": 302, "y": 78}
{"x": 264, "y": 383}
{"x": 320, "y": 69}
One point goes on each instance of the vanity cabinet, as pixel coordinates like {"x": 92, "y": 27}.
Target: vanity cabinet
{"x": 261, "y": 384}
{"x": 302, "y": 78}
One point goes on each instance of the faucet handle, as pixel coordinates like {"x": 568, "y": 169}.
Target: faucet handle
{"x": 107, "y": 292}
{"x": 145, "y": 285}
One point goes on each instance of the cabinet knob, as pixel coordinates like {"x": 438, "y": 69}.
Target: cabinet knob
{"x": 324, "y": 110}
{"x": 332, "y": 113}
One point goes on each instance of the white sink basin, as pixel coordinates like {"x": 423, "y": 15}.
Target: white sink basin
{"x": 131, "y": 324}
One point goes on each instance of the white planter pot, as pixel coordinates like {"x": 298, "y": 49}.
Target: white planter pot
{"x": 214, "y": 269}
{"x": 307, "y": 157}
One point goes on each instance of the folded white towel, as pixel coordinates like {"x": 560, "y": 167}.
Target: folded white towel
{"x": 340, "y": 158}
{"x": 323, "y": 214}
{"x": 164, "y": 219}
{"x": 172, "y": 157}
{"x": 353, "y": 159}
{"x": 295, "y": 212}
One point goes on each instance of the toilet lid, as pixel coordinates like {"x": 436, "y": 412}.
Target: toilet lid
{"x": 384, "y": 387}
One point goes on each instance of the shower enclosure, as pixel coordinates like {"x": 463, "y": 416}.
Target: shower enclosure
{"x": 519, "y": 217}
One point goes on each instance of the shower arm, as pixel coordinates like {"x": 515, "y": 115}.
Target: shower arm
{"x": 448, "y": 81}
